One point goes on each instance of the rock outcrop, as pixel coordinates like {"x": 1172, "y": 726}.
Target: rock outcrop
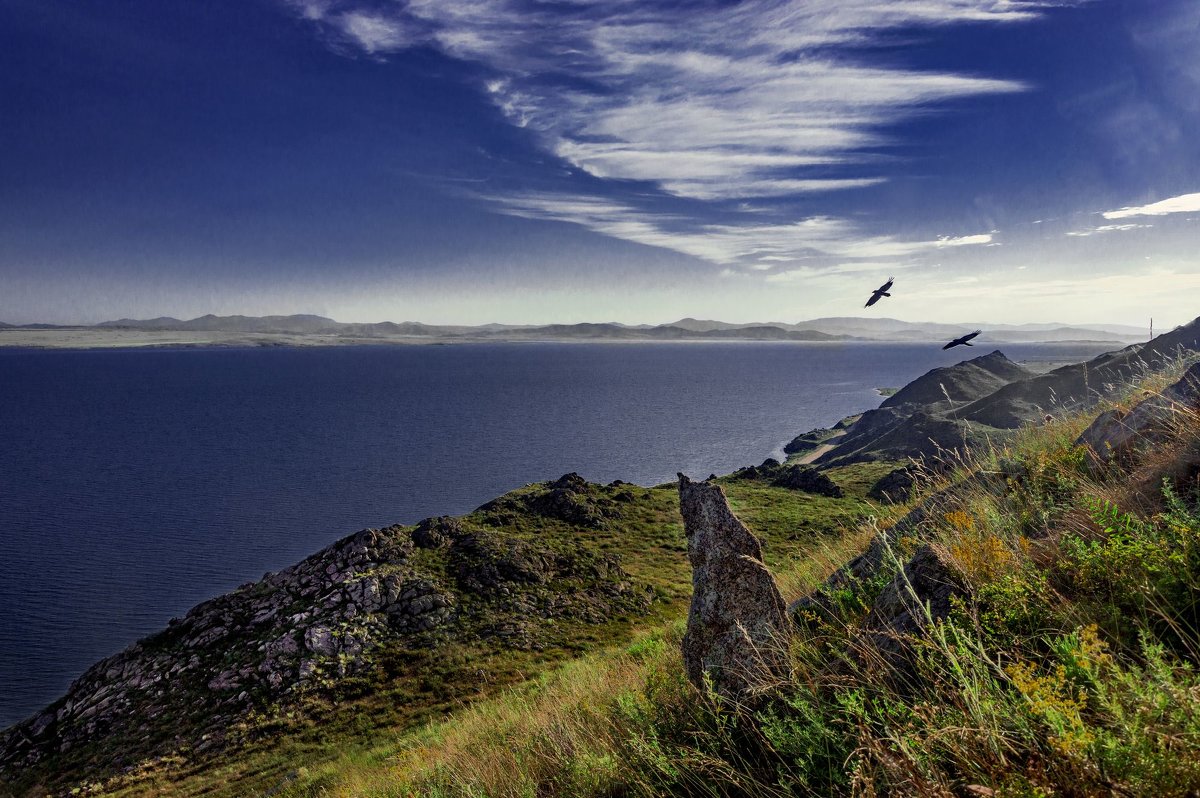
{"x": 570, "y": 499}
{"x": 920, "y": 593}
{"x": 872, "y": 564}
{"x": 317, "y": 619}
{"x": 308, "y": 627}
{"x": 737, "y": 631}
{"x": 894, "y": 487}
{"x": 1117, "y": 435}
{"x": 808, "y": 479}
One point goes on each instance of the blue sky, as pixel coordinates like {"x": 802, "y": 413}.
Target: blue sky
{"x": 470, "y": 161}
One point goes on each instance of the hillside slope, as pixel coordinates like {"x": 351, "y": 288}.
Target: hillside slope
{"x": 1029, "y": 627}
{"x": 989, "y": 397}
{"x": 389, "y": 628}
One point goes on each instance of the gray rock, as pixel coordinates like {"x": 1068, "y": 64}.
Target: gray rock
{"x": 921, "y": 593}
{"x": 867, "y": 565}
{"x": 320, "y": 640}
{"x": 436, "y": 533}
{"x": 808, "y": 479}
{"x": 1118, "y": 435}
{"x": 737, "y": 630}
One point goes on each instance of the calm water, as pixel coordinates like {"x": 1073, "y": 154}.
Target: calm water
{"x": 134, "y": 484}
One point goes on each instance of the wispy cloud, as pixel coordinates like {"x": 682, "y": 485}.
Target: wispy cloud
{"x": 1184, "y": 203}
{"x": 1107, "y": 228}
{"x": 711, "y": 102}
{"x": 374, "y": 33}
{"x": 753, "y": 246}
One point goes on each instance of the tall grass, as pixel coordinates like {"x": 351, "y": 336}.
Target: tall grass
{"x": 1068, "y": 664}
{"x": 1068, "y": 667}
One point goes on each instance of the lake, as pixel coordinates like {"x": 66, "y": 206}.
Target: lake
{"x": 136, "y": 483}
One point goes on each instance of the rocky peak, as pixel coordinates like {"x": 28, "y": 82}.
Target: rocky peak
{"x": 963, "y": 382}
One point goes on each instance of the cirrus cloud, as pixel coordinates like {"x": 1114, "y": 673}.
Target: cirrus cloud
{"x": 707, "y": 101}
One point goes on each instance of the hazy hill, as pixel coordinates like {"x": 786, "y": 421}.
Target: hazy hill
{"x": 707, "y": 325}
{"x": 298, "y": 323}
{"x": 822, "y": 329}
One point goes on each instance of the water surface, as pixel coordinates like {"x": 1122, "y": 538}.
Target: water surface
{"x": 136, "y": 483}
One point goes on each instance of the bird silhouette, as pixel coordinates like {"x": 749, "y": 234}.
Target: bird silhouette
{"x": 881, "y": 291}
{"x": 964, "y": 340}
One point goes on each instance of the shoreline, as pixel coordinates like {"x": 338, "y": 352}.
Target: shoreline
{"x": 83, "y": 338}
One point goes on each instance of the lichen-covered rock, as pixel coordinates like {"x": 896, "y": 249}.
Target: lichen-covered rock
{"x": 808, "y": 479}
{"x": 570, "y": 499}
{"x": 1117, "y": 434}
{"x": 737, "y": 630}
{"x": 435, "y": 533}
{"x": 920, "y": 593}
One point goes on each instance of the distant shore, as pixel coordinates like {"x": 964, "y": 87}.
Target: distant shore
{"x": 123, "y": 338}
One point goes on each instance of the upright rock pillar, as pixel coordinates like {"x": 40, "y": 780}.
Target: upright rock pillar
{"x": 737, "y": 630}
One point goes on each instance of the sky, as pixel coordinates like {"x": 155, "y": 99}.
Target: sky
{"x": 534, "y": 161}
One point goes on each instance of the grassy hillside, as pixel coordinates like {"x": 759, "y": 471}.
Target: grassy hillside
{"x": 1066, "y": 666}
{"x": 291, "y": 746}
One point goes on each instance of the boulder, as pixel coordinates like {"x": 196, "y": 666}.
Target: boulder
{"x": 436, "y": 533}
{"x": 1118, "y": 434}
{"x": 868, "y": 565}
{"x": 570, "y": 482}
{"x": 808, "y": 479}
{"x": 737, "y": 629}
{"x": 749, "y": 472}
{"x": 920, "y": 593}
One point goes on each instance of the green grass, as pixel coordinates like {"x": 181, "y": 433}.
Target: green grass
{"x": 360, "y": 725}
{"x": 1070, "y": 667}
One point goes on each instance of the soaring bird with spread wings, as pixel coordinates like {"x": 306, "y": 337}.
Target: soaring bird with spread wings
{"x": 881, "y": 291}
{"x": 964, "y": 340}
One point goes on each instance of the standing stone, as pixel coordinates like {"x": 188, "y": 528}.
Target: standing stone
{"x": 737, "y": 630}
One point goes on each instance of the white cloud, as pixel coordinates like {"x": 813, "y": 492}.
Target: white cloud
{"x": 707, "y": 102}
{"x": 374, "y": 33}
{"x": 1185, "y": 203}
{"x": 757, "y": 246}
{"x": 1107, "y": 228}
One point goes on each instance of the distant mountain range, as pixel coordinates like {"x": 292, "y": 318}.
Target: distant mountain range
{"x": 822, "y": 329}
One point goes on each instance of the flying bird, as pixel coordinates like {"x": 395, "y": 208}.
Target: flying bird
{"x": 964, "y": 340}
{"x": 881, "y": 291}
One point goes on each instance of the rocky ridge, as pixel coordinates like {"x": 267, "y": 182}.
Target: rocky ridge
{"x": 325, "y": 618}
{"x": 957, "y": 407}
